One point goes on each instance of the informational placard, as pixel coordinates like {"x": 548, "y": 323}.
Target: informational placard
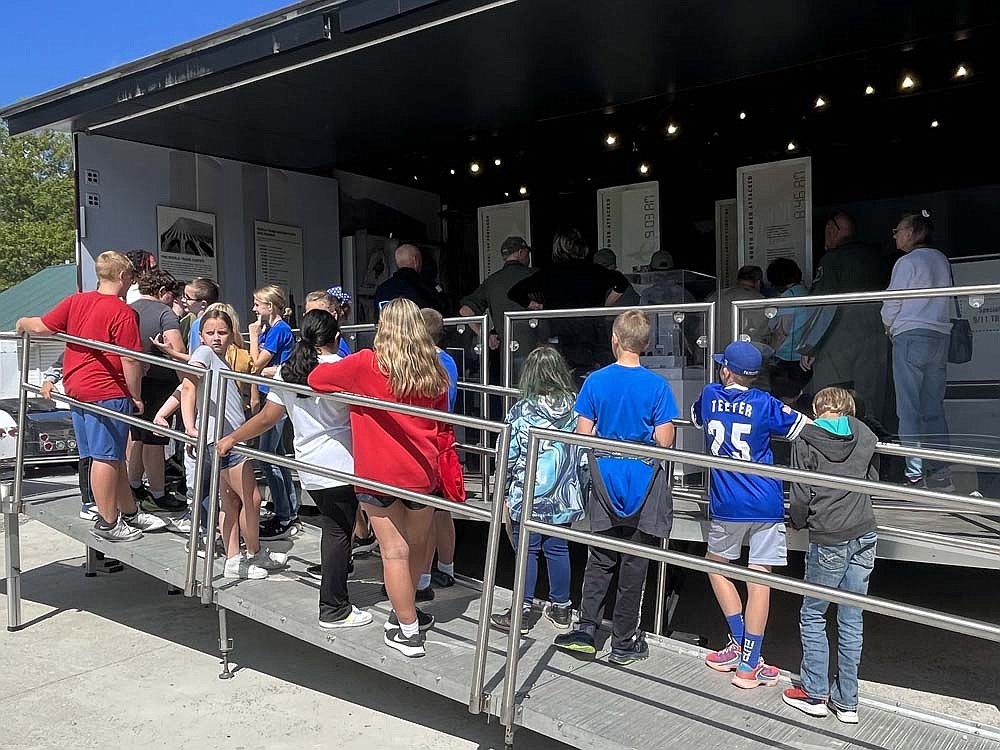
{"x": 628, "y": 222}
{"x": 775, "y": 213}
{"x": 279, "y": 257}
{"x": 984, "y": 320}
{"x": 187, "y": 244}
{"x": 727, "y": 230}
{"x": 497, "y": 223}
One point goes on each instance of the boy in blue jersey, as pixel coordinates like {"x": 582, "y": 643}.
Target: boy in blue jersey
{"x": 739, "y": 422}
{"x": 630, "y": 497}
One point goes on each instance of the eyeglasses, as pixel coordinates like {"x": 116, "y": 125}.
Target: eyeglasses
{"x": 897, "y": 230}
{"x": 192, "y": 299}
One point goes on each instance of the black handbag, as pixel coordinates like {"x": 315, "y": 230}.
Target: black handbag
{"x": 960, "y": 344}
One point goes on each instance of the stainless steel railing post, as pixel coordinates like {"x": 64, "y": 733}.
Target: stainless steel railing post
{"x": 509, "y": 707}
{"x": 476, "y": 697}
{"x": 212, "y": 520}
{"x": 12, "y": 506}
{"x": 204, "y": 407}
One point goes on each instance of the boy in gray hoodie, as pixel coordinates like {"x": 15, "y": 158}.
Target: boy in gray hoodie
{"x": 841, "y": 552}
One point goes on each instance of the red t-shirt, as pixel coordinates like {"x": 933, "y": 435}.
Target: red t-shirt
{"x": 397, "y": 449}
{"x": 91, "y": 375}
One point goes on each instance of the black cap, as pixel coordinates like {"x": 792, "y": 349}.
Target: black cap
{"x": 512, "y": 244}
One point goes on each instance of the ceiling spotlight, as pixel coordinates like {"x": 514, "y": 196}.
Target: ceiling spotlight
{"x": 523, "y": 190}
{"x": 961, "y": 72}
{"x": 672, "y": 128}
{"x": 869, "y": 90}
{"x": 452, "y": 171}
{"x": 935, "y": 123}
{"x": 496, "y": 162}
{"x": 644, "y": 168}
{"x": 792, "y": 146}
{"x": 415, "y": 178}
{"x": 611, "y": 139}
{"x": 506, "y": 194}
{"x": 474, "y": 167}
{"x": 908, "y": 83}
{"x": 743, "y": 115}
{"x": 820, "y": 103}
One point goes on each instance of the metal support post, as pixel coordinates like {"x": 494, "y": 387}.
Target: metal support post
{"x": 225, "y": 642}
{"x": 661, "y": 591}
{"x": 91, "y": 565}
{"x": 12, "y": 503}
{"x": 213, "y": 493}
{"x": 509, "y": 706}
{"x": 204, "y": 408}
{"x": 476, "y": 697}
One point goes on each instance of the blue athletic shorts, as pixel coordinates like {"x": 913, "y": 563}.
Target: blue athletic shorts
{"x": 101, "y": 437}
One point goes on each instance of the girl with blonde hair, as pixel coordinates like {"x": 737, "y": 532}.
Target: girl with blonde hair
{"x": 396, "y": 449}
{"x": 271, "y": 343}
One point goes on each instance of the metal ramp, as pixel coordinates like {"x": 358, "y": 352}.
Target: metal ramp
{"x": 670, "y": 698}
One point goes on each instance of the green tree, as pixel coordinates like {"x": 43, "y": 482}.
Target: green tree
{"x": 37, "y": 227}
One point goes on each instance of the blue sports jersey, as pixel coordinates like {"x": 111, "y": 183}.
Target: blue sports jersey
{"x": 739, "y": 423}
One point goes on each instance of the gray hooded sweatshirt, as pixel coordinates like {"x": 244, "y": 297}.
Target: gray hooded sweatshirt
{"x": 834, "y": 516}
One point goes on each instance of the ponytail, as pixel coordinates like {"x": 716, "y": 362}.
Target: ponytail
{"x": 319, "y": 328}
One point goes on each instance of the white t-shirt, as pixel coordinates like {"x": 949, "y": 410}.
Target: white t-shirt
{"x": 322, "y": 431}
{"x": 234, "y": 416}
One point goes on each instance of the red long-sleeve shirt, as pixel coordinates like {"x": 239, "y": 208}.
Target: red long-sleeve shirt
{"x": 396, "y": 449}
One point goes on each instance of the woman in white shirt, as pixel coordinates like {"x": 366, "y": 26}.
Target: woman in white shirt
{"x": 920, "y": 330}
{"x": 322, "y": 438}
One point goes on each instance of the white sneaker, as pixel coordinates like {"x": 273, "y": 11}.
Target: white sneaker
{"x": 145, "y": 521}
{"x": 88, "y": 511}
{"x": 181, "y": 524}
{"x": 120, "y": 532}
{"x": 845, "y": 715}
{"x": 355, "y": 619}
{"x": 240, "y": 567}
{"x": 269, "y": 560}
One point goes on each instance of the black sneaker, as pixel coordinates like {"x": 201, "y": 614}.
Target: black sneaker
{"x": 577, "y": 641}
{"x": 411, "y": 646}
{"x": 560, "y": 615}
{"x": 364, "y": 546}
{"x": 635, "y": 651}
{"x": 441, "y": 579}
{"x": 939, "y": 483}
{"x": 424, "y": 621}
{"x": 168, "y": 503}
{"x": 425, "y": 595}
{"x": 502, "y": 622}
{"x": 140, "y": 494}
{"x": 273, "y": 530}
{"x": 316, "y": 571}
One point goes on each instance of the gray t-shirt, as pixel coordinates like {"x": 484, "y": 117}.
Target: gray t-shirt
{"x": 234, "y": 416}
{"x": 155, "y": 318}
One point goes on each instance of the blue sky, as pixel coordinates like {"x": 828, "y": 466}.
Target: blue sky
{"x": 48, "y": 43}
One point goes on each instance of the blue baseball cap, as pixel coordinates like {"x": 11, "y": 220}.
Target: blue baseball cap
{"x": 741, "y": 357}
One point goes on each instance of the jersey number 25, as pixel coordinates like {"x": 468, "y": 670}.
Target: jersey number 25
{"x": 738, "y": 430}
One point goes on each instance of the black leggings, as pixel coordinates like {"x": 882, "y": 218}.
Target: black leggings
{"x": 337, "y": 507}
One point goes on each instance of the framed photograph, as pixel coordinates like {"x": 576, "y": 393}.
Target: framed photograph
{"x": 186, "y": 243}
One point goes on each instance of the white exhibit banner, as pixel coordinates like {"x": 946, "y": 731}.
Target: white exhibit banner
{"x": 727, "y": 230}
{"x": 628, "y": 222}
{"x": 278, "y": 249}
{"x": 497, "y": 223}
{"x": 775, "y": 213}
{"x": 186, "y": 243}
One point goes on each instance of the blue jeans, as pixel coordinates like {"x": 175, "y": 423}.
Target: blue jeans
{"x": 556, "y": 553}
{"x": 846, "y": 566}
{"x": 279, "y": 479}
{"x": 920, "y": 372}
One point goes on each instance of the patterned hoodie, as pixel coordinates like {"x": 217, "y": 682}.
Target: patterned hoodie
{"x": 558, "y": 495}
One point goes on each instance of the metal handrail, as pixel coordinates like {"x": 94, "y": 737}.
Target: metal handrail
{"x": 979, "y": 290}
{"x": 951, "y": 623}
{"x": 494, "y": 517}
{"x": 707, "y": 308}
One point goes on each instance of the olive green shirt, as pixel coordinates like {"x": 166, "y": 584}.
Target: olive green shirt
{"x": 491, "y": 295}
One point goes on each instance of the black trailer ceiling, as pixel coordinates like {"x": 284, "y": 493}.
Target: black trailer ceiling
{"x": 303, "y": 94}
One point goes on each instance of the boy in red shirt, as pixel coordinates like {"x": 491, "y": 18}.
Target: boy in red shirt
{"x": 107, "y": 380}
